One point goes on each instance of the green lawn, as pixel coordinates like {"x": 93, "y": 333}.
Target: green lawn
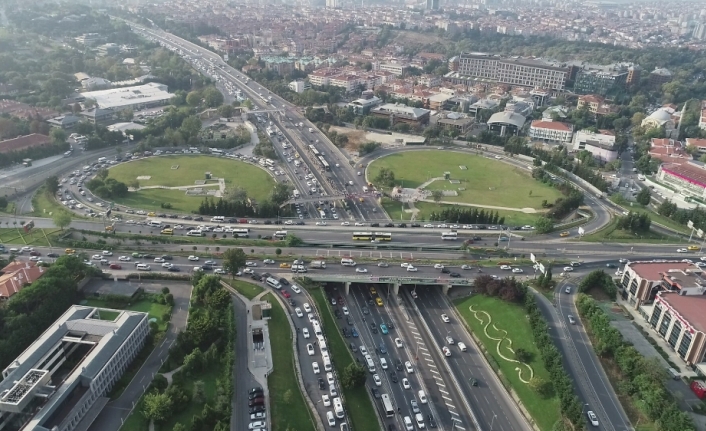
{"x": 44, "y": 204}
{"x": 154, "y": 309}
{"x": 361, "y": 412}
{"x": 394, "y": 210}
{"x": 253, "y": 179}
{"x": 36, "y": 237}
{"x": 248, "y": 290}
{"x": 611, "y": 233}
{"x": 506, "y": 316}
{"x": 657, "y": 218}
{"x": 485, "y": 181}
{"x": 289, "y": 411}
{"x": 185, "y": 416}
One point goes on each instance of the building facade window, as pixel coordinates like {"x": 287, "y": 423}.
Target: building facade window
{"x": 674, "y": 334}
{"x": 666, "y": 320}
{"x": 684, "y": 345}
{"x": 633, "y": 286}
{"x": 656, "y": 313}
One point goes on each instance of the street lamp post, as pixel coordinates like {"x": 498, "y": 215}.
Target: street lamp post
{"x": 492, "y": 422}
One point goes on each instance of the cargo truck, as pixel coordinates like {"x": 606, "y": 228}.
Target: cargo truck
{"x": 318, "y": 264}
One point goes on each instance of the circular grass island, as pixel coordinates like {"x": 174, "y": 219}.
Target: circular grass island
{"x": 182, "y": 181}
{"x": 466, "y": 180}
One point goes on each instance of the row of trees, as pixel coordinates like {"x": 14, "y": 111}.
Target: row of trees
{"x": 237, "y": 204}
{"x": 511, "y": 290}
{"x": 467, "y": 215}
{"x": 642, "y": 378}
{"x": 599, "y": 279}
{"x": 683, "y": 215}
{"x": 635, "y": 222}
{"x": 30, "y": 311}
{"x": 564, "y": 205}
{"x": 107, "y": 188}
{"x": 206, "y": 343}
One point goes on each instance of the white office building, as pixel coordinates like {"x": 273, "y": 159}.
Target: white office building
{"x": 65, "y": 375}
{"x": 135, "y": 98}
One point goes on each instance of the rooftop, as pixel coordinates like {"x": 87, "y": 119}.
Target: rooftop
{"x": 23, "y": 142}
{"x": 653, "y": 271}
{"x": 688, "y": 172}
{"x": 401, "y": 109}
{"x": 690, "y": 308}
{"x": 553, "y": 125}
{"x": 126, "y": 96}
{"x": 513, "y": 118}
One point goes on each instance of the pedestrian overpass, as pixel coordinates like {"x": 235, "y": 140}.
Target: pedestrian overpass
{"x": 393, "y": 281}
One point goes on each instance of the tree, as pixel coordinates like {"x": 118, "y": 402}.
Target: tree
{"x": 523, "y": 355}
{"x": 157, "y": 407}
{"x": 437, "y": 195}
{"x": 193, "y": 98}
{"x": 234, "y": 259}
{"x": 199, "y": 393}
{"x": 278, "y": 251}
{"x": 160, "y": 382}
{"x": 643, "y": 198}
{"x": 61, "y": 219}
{"x": 58, "y": 136}
{"x": 3, "y": 203}
{"x": 540, "y": 386}
{"x": 544, "y": 225}
{"x": 354, "y": 376}
{"x": 385, "y": 177}
{"x": 212, "y": 97}
{"x": 293, "y": 241}
{"x": 52, "y": 184}
{"x": 190, "y": 127}
{"x": 226, "y": 111}
{"x": 102, "y": 174}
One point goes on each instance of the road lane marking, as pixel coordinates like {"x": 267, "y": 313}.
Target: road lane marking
{"x": 450, "y": 405}
{"x": 446, "y": 398}
{"x": 443, "y": 391}
{"x": 453, "y": 413}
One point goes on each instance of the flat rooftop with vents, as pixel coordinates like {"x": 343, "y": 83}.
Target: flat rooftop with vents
{"x": 63, "y": 377}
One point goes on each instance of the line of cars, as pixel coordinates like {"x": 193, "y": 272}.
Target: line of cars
{"x": 256, "y": 408}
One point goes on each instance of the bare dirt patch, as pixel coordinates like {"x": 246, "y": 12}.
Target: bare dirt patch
{"x": 355, "y": 137}
{"x": 411, "y": 38}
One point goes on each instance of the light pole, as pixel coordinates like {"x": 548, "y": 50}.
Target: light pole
{"x": 492, "y": 422}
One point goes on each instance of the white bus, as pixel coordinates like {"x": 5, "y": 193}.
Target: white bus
{"x": 281, "y": 234}
{"x": 270, "y": 163}
{"x": 387, "y": 405}
{"x": 449, "y": 236}
{"x": 241, "y": 233}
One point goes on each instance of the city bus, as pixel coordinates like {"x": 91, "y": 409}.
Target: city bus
{"x": 281, "y": 234}
{"x": 362, "y": 236}
{"x": 383, "y": 236}
{"x": 324, "y": 163}
{"x": 241, "y": 233}
{"x": 387, "y": 405}
{"x": 449, "y": 236}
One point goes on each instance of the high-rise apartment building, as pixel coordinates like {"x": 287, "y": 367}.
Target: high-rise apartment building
{"x": 520, "y": 72}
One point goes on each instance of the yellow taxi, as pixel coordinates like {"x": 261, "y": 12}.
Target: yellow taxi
{"x": 378, "y": 301}
{"x": 564, "y": 234}
{"x": 373, "y": 291}
{"x": 151, "y": 214}
{"x": 70, "y": 251}
{"x": 693, "y": 248}
{"x": 285, "y": 265}
{"x": 167, "y": 231}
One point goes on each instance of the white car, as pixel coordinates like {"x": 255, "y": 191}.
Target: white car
{"x": 568, "y": 269}
{"x": 256, "y": 416}
{"x": 167, "y": 265}
{"x": 404, "y": 265}
{"x": 361, "y": 270}
{"x": 295, "y": 288}
{"x": 345, "y": 311}
{"x": 345, "y": 223}
{"x": 310, "y": 349}
{"x": 220, "y": 271}
{"x": 461, "y": 346}
{"x": 619, "y": 273}
{"x": 158, "y": 260}
{"x": 438, "y": 266}
{"x": 592, "y": 418}
{"x": 383, "y": 265}
{"x": 359, "y": 224}
{"x": 449, "y": 340}
{"x": 331, "y": 420}
{"x": 96, "y": 257}
{"x": 289, "y": 222}
{"x": 321, "y": 223}
{"x": 681, "y": 250}
{"x": 125, "y": 258}
{"x": 257, "y": 425}
{"x": 411, "y": 269}
{"x": 298, "y": 312}
{"x": 248, "y": 271}
{"x": 377, "y": 380}
{"x": 268, "y": 261}
{"x": 107, "y": 253}
{"x": 326, "y": 400}
{"x": 305, "y": 332}
{"x": 363, "y": 350}
{"x": 315, "y": 367}
{"x": 408, "y": 367}
{"x": 429, "y": 225}
{"x": 307, "y": 307}
{"x": 445, "y": 318}
{"x": 505, "y": 267}
{"x": 446, "y": 350}
{"x": 330, "y": 379}
{"x": 249, "y": 263}
{"x": 193, "y": 258}
{"x": 398, "y": 342}
{"x": 517, "y": 270}
{"x": 405, "y": 383}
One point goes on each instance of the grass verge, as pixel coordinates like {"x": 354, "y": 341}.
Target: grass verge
{"x": 506, "y": 316}
{"x": 248, "y": 290}
{"x": 657, "y": 218}
{"x": 397, "y": 212}
{"x": 36, "y": 237}
{"x": 361, "y": 412}
{"x": 44, "y": 205}
{"x": 611, "y": 233}
{"x": 289, "y": 411}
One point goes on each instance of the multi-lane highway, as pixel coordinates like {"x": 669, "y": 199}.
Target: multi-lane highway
{"x": 489, "y": 400}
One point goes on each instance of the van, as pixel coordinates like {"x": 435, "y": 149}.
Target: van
{"x": 317, "y": 328}
{"x": 422, "y": 396}
{"x": 408, "y": 424}
{"x": 272, "y": 282}
{"x": 195, "y": 232}
{"x": 102, "y": 159}
{"x": 167, "y": 232}
{"x": 673, "y": 373}
{"x": 323, "y": 347}
{"x": 369, "y": 362}
{"x": 347, "y": 262}
{"x": 365, "y": 189}
{"x": 154, "y": 223}
{"x": 143, "y": 267}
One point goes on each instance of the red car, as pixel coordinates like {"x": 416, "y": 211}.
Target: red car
{"x": 115, "y": 266}
{"x": 35, "y": 253}
{"x": 286, "y": 294}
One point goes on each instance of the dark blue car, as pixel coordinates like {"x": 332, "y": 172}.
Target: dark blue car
{"x": 354, "y": 332}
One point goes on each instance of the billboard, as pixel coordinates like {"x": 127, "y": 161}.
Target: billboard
{"x": 533, "y": 258}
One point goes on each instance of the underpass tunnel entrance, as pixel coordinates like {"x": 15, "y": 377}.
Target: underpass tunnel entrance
{"x": 415, "y": 288}
{"x": 257, "y": 338}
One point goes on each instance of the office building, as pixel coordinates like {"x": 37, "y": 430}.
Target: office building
{"x": 601, "y": 145}
{"x": 513, "y": 71}
{"x": 399, "y": 113}
{"x": 688, "y": 178}
{"x": 506, "y": 123}
{"x": 600, "y": 81}
{"x": 135, "y": 98}
{"x": 65, "y": 375}
{"x": 660, "y": 76}
{"x": 551, "y": 131}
